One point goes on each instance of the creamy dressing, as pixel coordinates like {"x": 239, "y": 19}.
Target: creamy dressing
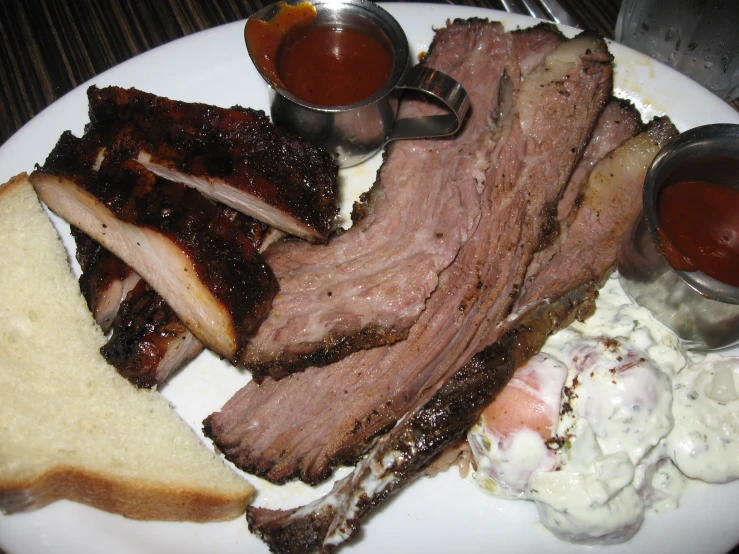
{"x": 618, "y": 390}
{"x": 636, "y": 416}
{"x": 591, "y": 499}
{"x": 705, "y": 441}
{"x": 507, "y": 454}
{"x": 376, "y": 476}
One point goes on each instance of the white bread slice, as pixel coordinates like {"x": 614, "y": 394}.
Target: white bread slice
{"x": 70, "y": 426}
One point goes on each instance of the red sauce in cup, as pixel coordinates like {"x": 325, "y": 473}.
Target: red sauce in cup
{"x": 324, "y": 65}
{"x": 699, "y": 228}
{"x": 332, "y": 66}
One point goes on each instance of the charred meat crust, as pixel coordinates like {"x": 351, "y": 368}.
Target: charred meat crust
{"x": 145, "y": 331}
{"x": 550, "y": 226}
{"x": 420, "y": 438}
{"x": 101, "y": 273}
{"x": 225, "y": 260}
{"x": 333, "y": 348}
{"x": 238, "y": 146}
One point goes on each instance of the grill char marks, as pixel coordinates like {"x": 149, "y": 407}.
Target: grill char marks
{"x": 367, "y": 287}
{"x": 105, "y": 281}
{"x": 184, "y": 246}
{"x": 334, "y": 413}
{"x": 398, "y": 457}
{"x": 234, "y": 156}
{"x": 149, "y": 342}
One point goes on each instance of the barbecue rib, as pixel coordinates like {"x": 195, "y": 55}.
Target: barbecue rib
{"x": 184, "y": 246}
{"x": 328, "y": 417}
{"x": 369, "y": 285}
{"x": 148, "y": 341}
{"x": 105, "y": 280}
{"x": 400, "y": 456}
{"x": 234, "y": 156}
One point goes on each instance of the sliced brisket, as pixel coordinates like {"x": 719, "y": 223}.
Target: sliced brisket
{"x": 234, "y": 156}
{"x": 606, "y": 213}
{"x": 369, "y": 285}
{"x": 401, "y": 455}
{"x": 304, "y": 425}
{"x": 618, "y": 122}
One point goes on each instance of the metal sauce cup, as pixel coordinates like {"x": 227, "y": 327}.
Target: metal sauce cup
{"x": 701, "y": 310}
{"x": 353, "y": 133}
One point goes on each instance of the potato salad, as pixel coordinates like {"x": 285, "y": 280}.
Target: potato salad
{"x": 607, "y": 422}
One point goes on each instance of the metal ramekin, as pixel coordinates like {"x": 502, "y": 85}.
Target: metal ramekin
{"x": 702, "y": 311}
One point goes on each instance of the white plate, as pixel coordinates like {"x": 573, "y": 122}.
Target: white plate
{"x": 440, "y": 515}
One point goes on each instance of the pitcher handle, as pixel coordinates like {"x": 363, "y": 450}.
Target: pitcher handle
{"x": 440, "y": 86}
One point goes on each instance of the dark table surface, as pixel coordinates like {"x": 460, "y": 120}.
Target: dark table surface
{"x": 49, "y": 47}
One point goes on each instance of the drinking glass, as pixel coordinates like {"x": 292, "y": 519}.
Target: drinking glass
{"x": 699, "y": 38}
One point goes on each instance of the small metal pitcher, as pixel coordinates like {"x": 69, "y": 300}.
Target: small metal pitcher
{"x": 353, "y": 133}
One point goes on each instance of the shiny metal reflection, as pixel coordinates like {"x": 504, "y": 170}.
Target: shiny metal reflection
{"x": 699, "y": 309}
{"x": 355, "y": 132}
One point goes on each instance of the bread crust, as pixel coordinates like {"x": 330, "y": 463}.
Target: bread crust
{"x": 13, "y": 185}
{"x": 129, "y": 498}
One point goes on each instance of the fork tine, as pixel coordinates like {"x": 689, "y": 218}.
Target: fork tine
{"x": 555, "y": 12}
{"x": 533, "y": 9}
{"x": 549, "y": 10}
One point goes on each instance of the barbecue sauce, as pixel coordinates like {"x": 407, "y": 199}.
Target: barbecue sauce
{"x": 325, "y": 65}
{"x": 332, "y": 66}
{"x": 699, "y": 228}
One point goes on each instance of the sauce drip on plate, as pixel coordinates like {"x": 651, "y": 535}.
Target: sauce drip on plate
{"x": 332, "y": 65}
{"x": 699, "y": 228}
